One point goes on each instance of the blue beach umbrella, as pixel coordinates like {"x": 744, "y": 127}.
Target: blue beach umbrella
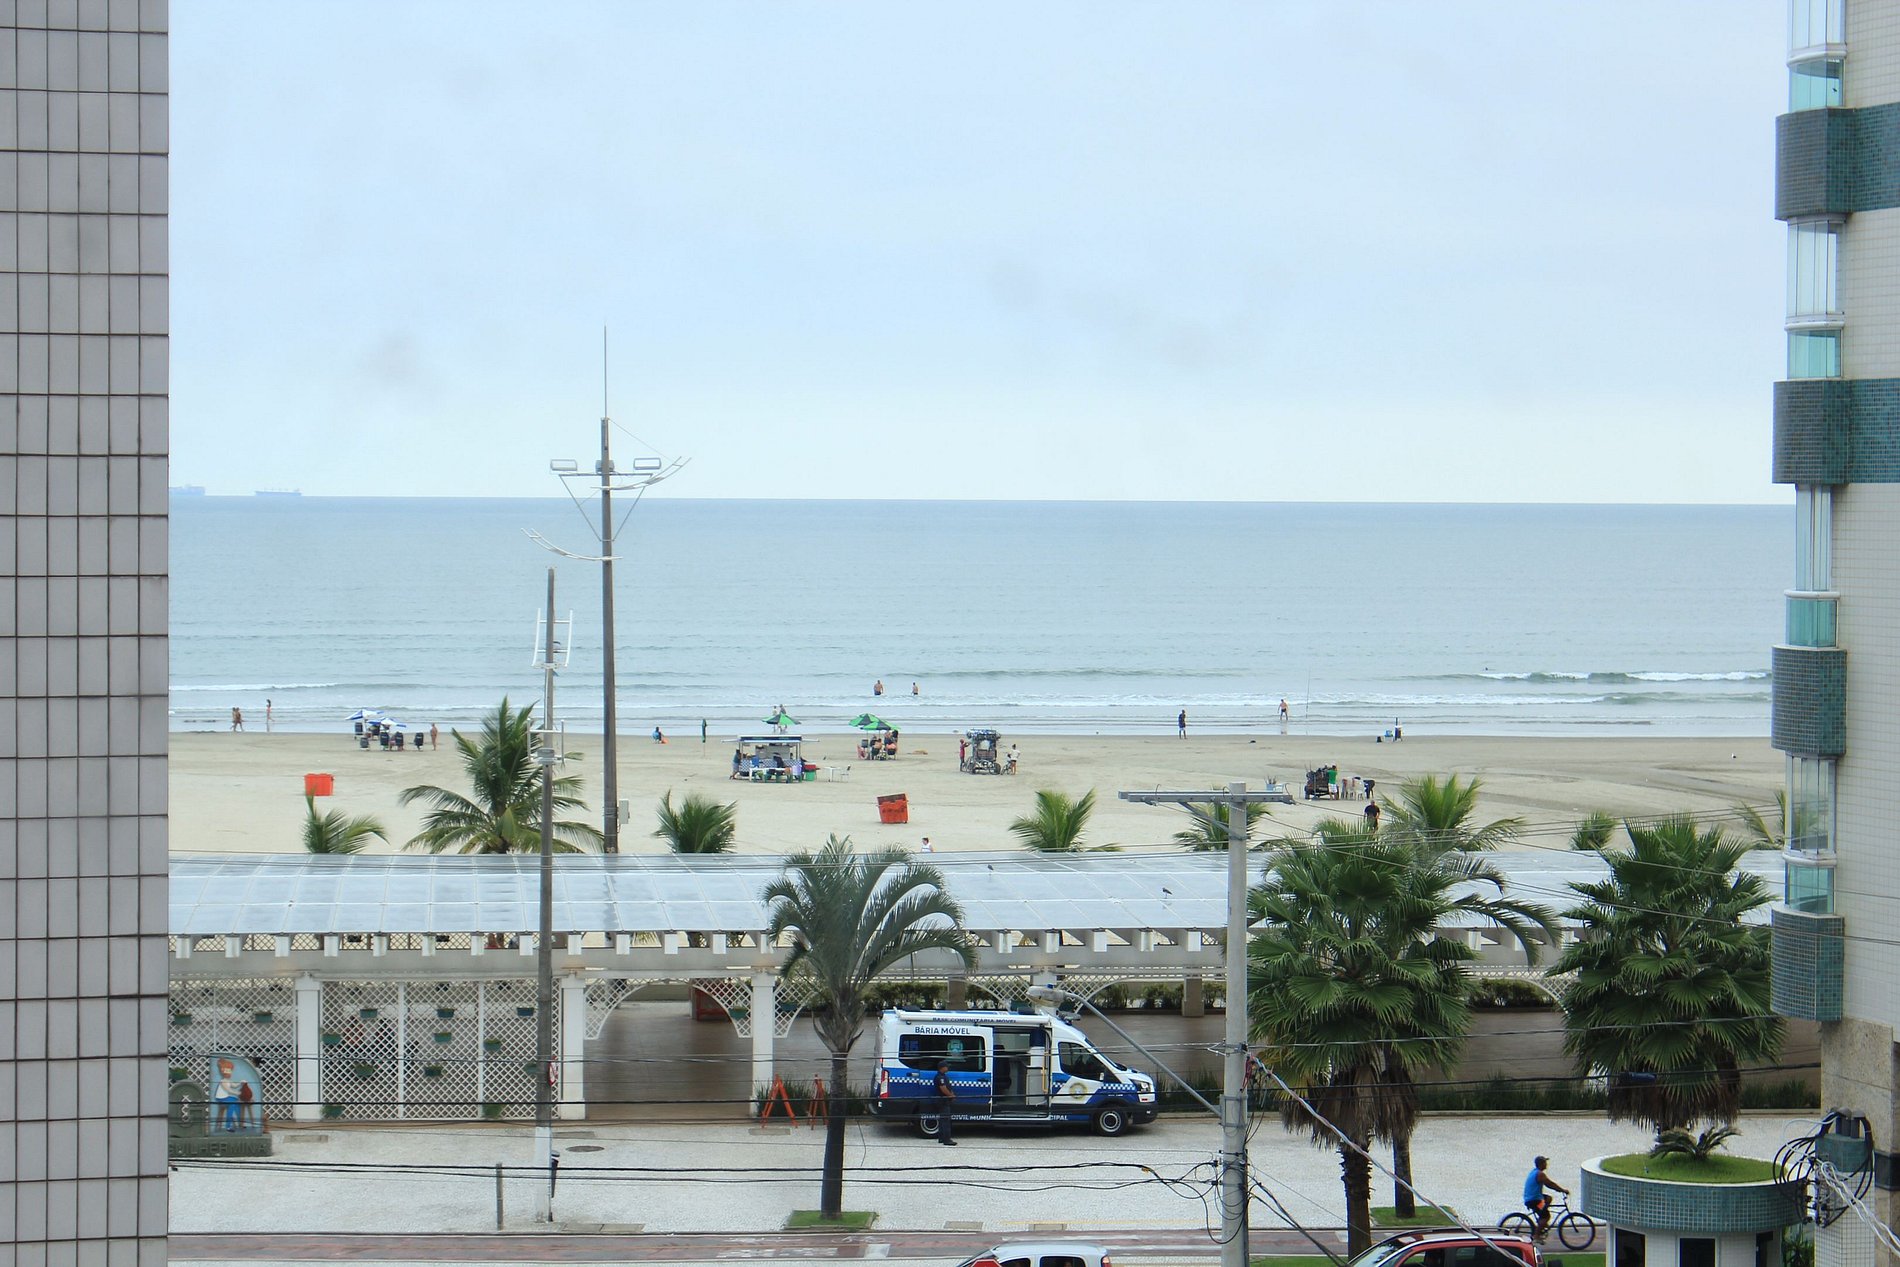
{"x": 364, "y": 714}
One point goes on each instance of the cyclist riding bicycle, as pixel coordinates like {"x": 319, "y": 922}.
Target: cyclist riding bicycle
{"x": 1534, "y": 1198}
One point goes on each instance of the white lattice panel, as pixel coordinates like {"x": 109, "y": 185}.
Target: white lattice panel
{"x": 255, "y": 1019}
{"x": 406, "y": 1059}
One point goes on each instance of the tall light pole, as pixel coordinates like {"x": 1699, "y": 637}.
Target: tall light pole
{"x": 550, "y": 656}
{"x": 1234, "y": 1185}
{"x": 606, "y": 480}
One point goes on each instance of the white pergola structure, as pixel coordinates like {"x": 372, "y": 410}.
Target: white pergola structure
{"x": 378, "y": 987}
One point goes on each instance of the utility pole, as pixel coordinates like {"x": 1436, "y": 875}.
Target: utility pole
{"x": 1234, "y": 1183}
{"x": 640, "y": 475}
{"x": 546, "y": 755}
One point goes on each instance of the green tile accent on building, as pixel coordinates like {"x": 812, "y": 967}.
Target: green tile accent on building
{"x": 1836, "y": 162}
{"x": 1837, "y": 431}
{"x": 1806, "y": 952}
{"x": 1808, "y": 716}
{"x": 1705, "y": 1209}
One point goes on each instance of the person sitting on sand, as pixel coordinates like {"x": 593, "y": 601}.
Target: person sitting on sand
{"x": 657, "y": 736}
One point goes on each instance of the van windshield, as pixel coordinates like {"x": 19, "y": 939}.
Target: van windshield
{"x": 1078, "y": 1061}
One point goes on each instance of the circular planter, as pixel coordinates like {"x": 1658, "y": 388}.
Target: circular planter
{"x": 445, "y": 1014}
{"x": 367, "y": 1013}
{"x": 333, "y": 1040}
{"x": 1701, "y": 1209}
{"x": 524, "y": 1011}
{"x": 491, "y": 1044}
{"x": 444, "y": 1037}
{"x": 263, "y": 1018}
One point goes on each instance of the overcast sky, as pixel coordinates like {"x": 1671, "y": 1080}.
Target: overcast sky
{"x": 1404, "y": 251}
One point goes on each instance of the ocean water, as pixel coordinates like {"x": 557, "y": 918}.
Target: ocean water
{"x": 1034, "y": 617}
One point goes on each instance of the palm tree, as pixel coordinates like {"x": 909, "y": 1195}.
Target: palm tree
{"x": 335, "y": 832}
{"x": 1671, "y": 990}
{"x": 1209, "y": 833}
{"x": 850, "y": 917}
{"x": 504, "y": 813}
{"x": 1353, "y": 990}
{"x": 1437, "y": 813}
{"x": 1759, "y": 831}
{"x": 699, "y": 825}
{"x": 1056, "y": 825}
{"x": 1594, "y": 832}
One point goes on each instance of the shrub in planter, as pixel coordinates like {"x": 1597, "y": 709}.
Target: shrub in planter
{"x": 367, "y": 1013}
{"x": 491, "y": 1111}
{"x": 181, "y": 1018}
{"x": 333, "y": 1110}
{"x": 432, "y": 1071}
{"x": 263, "y": 1018}
{"x": 491, "y": 1044}
{"x": 445, "y": 1013}
{"x": 524, "y": 1011}
{"x": 365, "y": 1070}
{"x": 179, "y": 1073}
{"x": 333, "y": 1040}
{"x": 443, "y": 1036}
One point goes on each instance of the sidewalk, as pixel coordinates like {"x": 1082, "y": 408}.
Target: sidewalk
{"x": 734, "y": 1177}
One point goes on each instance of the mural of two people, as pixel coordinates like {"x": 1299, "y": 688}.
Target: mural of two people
{"x": 237, "y": 1096}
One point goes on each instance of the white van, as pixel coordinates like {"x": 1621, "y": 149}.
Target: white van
{"x": 1011, "y": 1068}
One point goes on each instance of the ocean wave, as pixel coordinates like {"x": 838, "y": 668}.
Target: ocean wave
{"x": 185, "y": 688}
{"x": 1602, "y": 677}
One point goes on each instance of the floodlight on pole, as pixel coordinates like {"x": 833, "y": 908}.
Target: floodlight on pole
{"x": 606, "y": 479}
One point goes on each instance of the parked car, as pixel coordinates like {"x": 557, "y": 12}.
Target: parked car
{"x": 1450, "y": 1247}
{"x": 1043, "y": 1254}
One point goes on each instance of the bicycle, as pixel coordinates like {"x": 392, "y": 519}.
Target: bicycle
{"x": 1573, "y": 1227}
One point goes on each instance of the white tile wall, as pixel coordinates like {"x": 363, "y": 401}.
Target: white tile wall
{"x": 1872, "y": 75}
{"x": 84, "y": 373}
{"x": 1869, "y": 285}
{"x": 1867, "y": 574}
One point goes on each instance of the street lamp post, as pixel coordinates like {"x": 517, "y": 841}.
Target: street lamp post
{"x": 1234, "y": 1184}
{"x": 550, "y": 656}
{"x": 606, "y": 479}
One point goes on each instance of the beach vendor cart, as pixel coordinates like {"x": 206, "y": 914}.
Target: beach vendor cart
{"x": 772, "y": 759}
{"x": 984, "y": 755}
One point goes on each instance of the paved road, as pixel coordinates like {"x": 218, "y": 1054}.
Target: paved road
{"x": 1171, "y": 1243}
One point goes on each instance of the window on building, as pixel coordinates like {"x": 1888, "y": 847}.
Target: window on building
{"x": 1814, "y": 354}
{"x": 1810, "y": 620}
{"x": 1627, "y": 1248}
{"x": 1813, "y": 265}
{"x": 1815, "y": 24}
{"x": 1695, "y": 1251}
{"x": 1810, "y": 823}
{"x": 1815, "y": 84}
{"x": 1814, "y": 538}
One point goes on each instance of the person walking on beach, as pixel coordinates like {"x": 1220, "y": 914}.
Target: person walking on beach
{"x": 432, "y": 736}
{"x": 1180, "y": 723}
{"x": 702, "y": 728}
{"x": 237, "y": 719}
{"x": 1372, "y": 815}
{"x": 946, "y": 1096}
{"x": 914, "y": 690}
{"x": 267, "y": 715}
{"x": 1283, "y": 710}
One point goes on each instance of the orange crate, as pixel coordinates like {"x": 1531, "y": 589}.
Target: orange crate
{"x": 319, "y": 784}
{"x": 893, "y": 809}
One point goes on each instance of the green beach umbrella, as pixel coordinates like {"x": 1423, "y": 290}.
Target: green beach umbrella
{"x": 870, "y": 721}
{"x": 781, "y": 719}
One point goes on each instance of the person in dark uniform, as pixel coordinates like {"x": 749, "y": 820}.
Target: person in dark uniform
{"x": 946, "y": 1097}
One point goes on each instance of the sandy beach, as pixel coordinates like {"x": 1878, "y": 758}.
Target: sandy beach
{"x": 243, "y": 793}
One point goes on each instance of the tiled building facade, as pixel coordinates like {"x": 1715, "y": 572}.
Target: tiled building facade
{"x": 83, "y": 658}
{"x": 1837, "y": 672}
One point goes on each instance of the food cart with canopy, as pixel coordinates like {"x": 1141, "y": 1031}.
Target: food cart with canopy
{"x": 771, "y": 759}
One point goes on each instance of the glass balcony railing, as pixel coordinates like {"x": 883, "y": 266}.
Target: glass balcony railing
{"x": 1810, "y": 619}
{"x": 1809, "y": 885}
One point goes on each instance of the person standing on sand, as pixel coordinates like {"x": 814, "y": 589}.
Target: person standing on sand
{"x": 237, "y": 719}
{"x": 702, "y": 728}
{"x": 1180, "y": 723}
{"x": 1372, "y": 815}
{"x": 432, "y": 736}
{"x": 914, "y": 690}
{"x": 267, "y": 715}
{"x": 927, "y": 848}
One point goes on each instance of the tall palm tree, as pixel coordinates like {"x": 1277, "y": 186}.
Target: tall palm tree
{"x": 336, "y": 832}
{"x": 1353, "y": 990}
{"x": 850, "y": 917}
{"x": 503, "y": 814}
{"x": 1057, "y": 823}
{"x": 699, "y": 825}
{"x": 1209, "y": 833}
{"x": 1438, "y": 814}
{"x": 1671, "y": 990}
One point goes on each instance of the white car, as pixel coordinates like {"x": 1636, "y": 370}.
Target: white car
{"x": 1043, "y": 1254}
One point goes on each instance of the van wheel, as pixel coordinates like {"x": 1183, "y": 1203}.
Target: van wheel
{"x": 1112, "y": 1120}
{"x": 925, "y": 1124}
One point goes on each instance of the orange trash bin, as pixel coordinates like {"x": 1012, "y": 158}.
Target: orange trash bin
{"x": 893, "y": 809}
{"x": 319, "y": 784}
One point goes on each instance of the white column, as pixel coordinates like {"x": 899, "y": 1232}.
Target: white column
{"x": 309, "y": 1046}
{"x": 764, "y": 1020}
{"x": 573, "y": 1089}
